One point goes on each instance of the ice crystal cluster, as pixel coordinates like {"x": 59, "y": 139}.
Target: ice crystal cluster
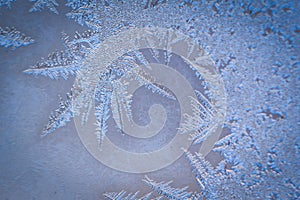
{"x": 255, "y": 45}
{"x": 10, "y": 37}
{"x": 6, "y": 3}
{"x": 38, "y": 5}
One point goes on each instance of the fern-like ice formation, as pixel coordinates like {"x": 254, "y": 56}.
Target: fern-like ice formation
{"x": 40, "y": 5}
{"x": 93, "y": 14}
{"x": 164, "y": 189}
{"x": 230, "y": 177}
{"x": 61, "y": 116}
{"x": 204, "y": 120}
{"x": 121, "y": 100}
{"x": 57, "y": 64}
{"x": 111, "y": 93}
{"x": 124, "y": 196}
{"x": 10, "y": 37}
{"x": 261, "y": 150}
{"x": 6, "y": 3}
{"x": 74, "y": 4}
{"x": 66, "y": 63}
{"x": 86, "y": 14}
{"x": 103, "y": 99}
{"x": 213, "y": 182}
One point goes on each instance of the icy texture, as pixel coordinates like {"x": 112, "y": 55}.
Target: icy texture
{"x": 103, "y": 98}
{"x": 61, "y": 115}
{"x": 6, "y": 3}
{"x": 40, "y": 5}
{"x": 111, "y": 92}
{"x": 74, "y": 4}
{"x": 86, "y": 14}
{"x": 204, "y": 119}
{"x": 256, "y": 48}
{"x": 260, "y": 82}
{"x": 10, "y": 37}
{"x": 66, "y": 63}
{"x": 123, "y": 196}
{"x": 164, "y": 189}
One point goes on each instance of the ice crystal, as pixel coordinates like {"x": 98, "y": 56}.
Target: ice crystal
{"x": 65, "y": 63}
{"x": 111, "y": 92}
{"x": 205, "y": 118}
{"x": 88, "y": 14}
{"x": 61, "y": 115}
{"x": 121, "y": 100}
{"x": 123, "y": 196}
{"x": 6, "y": 3}
{"x": 10, "y": 37}
{"x": 152, "y": 3}
{"x": 256, "y": 48}
{"x": 74, "y": 4}
{"x": 40, "y": 5}
{"x": 164, "y": 189}
{"x": 103, "y": 97}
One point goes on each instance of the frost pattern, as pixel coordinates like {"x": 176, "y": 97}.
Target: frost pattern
{"x": 74, "y": 4}
{"x": 6, "y": 3}
{"x": 123, "y": 196}
{"x": 61, "y": 116}
{"x": 10, "y": 37}
{"x": 103, "y": 97}
{"x": 205, "y": 119}
{"x": 66, "y": 63}
{"x": 111, "y": 92}
{"x": 40, "y": 5}
{"x": 86, "y": 14}
{"x": 261, "y": 152}
{"x": 164, "y": 189}
{"x": 121, "y": 100}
